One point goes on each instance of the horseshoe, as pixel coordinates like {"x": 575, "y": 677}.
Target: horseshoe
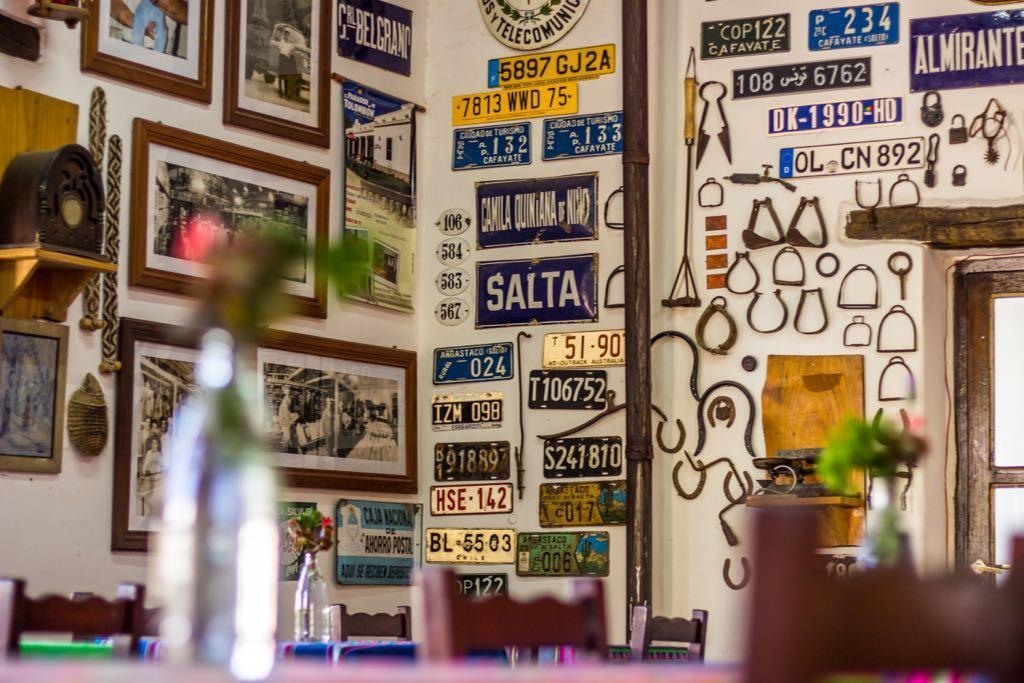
{"x": 716, "y": 307}
{"x": 679, "y": 444}
{"x": 726, "y": 574}
{"x": 747, "y": 487}
{"x": 748, "y": 432}
{"x": 753, "y": 304}
{"x": 728, "y": 408}
{"x": 679, "y": 487}
{"x": 695, "y": 370}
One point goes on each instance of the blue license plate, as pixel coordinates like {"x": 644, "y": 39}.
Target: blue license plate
{"x": 558, "y": 209}
{"x": 477, "y": 363}
{"x": 491, "y": 146}
{"x": 805, "y": 118}
{"x": 561, "y": 289}
{"x": 856, "y": 26}
{"x": 589, "y": 135}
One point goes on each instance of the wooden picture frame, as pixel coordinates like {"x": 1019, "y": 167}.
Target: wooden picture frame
{"x": 127, "y": 62}
{"x": 267, "y": 177}
{"x": 16, "y": 417}
{"x": 262, "y": 89}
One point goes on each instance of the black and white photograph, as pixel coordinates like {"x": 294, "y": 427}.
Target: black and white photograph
{"x": 278, "y": 35}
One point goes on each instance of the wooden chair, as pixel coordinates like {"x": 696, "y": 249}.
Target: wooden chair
{"x": 456, "y": 625}
{"x": 348, "y": 625}
{"x": 647, "y": 629}
{"x": 57, "y": 614}
{"x": 805, "y": 624}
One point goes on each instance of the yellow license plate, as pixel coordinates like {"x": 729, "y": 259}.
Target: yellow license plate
{"x": 560, "y": 66}
{"x": 515, "y": 103}
{"x": 592, "y": 503}
{"x": 470, "y": 546}
{"x": 584, "y": 349}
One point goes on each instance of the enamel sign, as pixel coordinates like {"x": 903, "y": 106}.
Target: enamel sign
{"x": 491, "y": 146}
{"x": 560, "y": 289}
{"x": 967, "y": 50}
{"x": 514, "y": 212}
{"x": 451, "y": 312}
{"x": 851, "y": 157}
{"x": 530, "y": 24}
{"x": 377, "y": 33}
{"x": 807, "y": 118}
{"x": 739, "y": 37}
{"x": 452, "y": 281}
{"x": 453, "y": 251}
{"x": 579, "y": 64}
{"x": 375, "y": 542}
{"x": 471, "y": 499}
{"x": 453, "y": 222}
{"x": 476, "y": 363}
{"x": 789, "y": 79}
{"x": 857, "y": 26}
{"x": 585, "y": 135}
{"x": 515, "y": 103}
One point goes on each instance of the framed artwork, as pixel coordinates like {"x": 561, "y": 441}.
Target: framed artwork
{"x": 190, "y": 192}
{"x": 339, "y": 415}
{"x": 164, "y": 45}
{"x": 33, "y": 367}
{"x": 277, "y": 65}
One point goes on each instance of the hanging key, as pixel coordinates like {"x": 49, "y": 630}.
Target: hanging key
{"x": 931, "y": 159}
{"x": 958, "y": 132}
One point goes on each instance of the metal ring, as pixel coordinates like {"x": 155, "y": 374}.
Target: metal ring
{"x": 717, "y": 306}
{"x": 828, "y": 255}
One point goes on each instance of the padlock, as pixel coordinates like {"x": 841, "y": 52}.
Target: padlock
{"x": 929, "y": 177}
{"x": 958, "y": 134}
{"x": 931, "y": 114}
{"x": 959, "y": 175}
{"x": 723, "y": 412}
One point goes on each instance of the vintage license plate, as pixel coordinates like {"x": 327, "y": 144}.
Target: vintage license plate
{"x": 787, "y": 79}
{"x": 583, "y": 135}
{"x": 451, "y": 312}
{"x": 491, "y": 146}
{"x": 583, "y": 456}
{"x": 807, "y": 118}
{"x": 555, "y": 553}
{"x": 467, "y": 411}
{"x": 568, "y": 389}
{"x": 856, "y": 26}
{"x": 966, "y": 50}
{"x": 591, "y": 503}
{"x": 560, "y": 66}
{"x": 584, "y": 349}
{"x": 851, "y": 157}
{"x": 453, "y": 222}
{"x": 375, "y": 543}
{"x": 481, "y": 585}
{"x": 470, "y": 546}
{"x": 544, "y": 291}
{"x": 474, "y": 461}
{"x": 739, "y": 37}
{"x": 476, "y": 363}
{"x": 515, "y": 103}
{"x": 515, "y": 212}
{"x": 471, "y": 499}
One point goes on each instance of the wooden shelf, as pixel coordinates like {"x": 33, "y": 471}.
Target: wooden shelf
{"x": 788, "y": 500}
{"x": 42, "y": 283}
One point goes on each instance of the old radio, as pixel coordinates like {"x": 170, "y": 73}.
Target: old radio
{"x": 53, "y": 200}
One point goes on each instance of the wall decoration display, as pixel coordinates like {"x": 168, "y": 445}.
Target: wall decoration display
{"x": 452, "y": 281}
{"x": 750, "y": 36}
{"x": 475, "y": 363}
{"x": 473, "y": 461}
{"x": 375, "y": 542}
{"x": 587, "y": 135}
{"x": 470, "y": 546}
{"x": 868, "y": 156}
{"x": 517, "y": 212}
{"x": 560, "y": 289}
{"x": 291, "y": 558}
{"x": 277, "y": 64}
{"x": 584, "y": 349}
{"x": 591, "y": 503}
{"x": 568, "y": 389}
{"x": 87, "y": 417}
{"x": 339, "y": 414}
{"x": 377, "y": 33}
{"x": 560, "y": 66}
{"x": 166, "y": 47}
{"x": 453, "y": 222}
{"x": 451, "y": 312}
{"x": 574, "y": 553}
{"x": 471, "y": 499}
{"x": 33, "y": 367}
{"x": 583, "y": 456}
{"x": 515, "y": 103}
{"x": 787, "y": 79}
{"x": 966, "y": 50}
{"x": 190, "y": 192}
{"x": 481, "y": 585}
{"x": 856, "y": 26}
{"x": 380, "y": 206}
{"x": 453, "y": 251}
{"x": 491, "y": 146}
{"x": 467, "y": 411}
{"x": 808, "y": 118}
{"x": 528, "y": 25}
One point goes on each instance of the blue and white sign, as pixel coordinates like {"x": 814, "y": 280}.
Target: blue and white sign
{"x": 806, "y": 118}
{"x": 589, "y": 135}
{"x": 857, "y": 26}
{"x": 376, "y": 542}
{"x": 377, "y": 33}
{"x": 559, "y": 209}
{"x": 477, "y": 363}
{"x": 491, "y": 146}
{"x": 562, "y": 289}
{"x": 967, "y": 50}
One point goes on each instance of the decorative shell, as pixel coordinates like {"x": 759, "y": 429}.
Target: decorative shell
{"x": 87, "y": 417}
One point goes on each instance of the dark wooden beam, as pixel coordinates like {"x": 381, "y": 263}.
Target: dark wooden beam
{"x": 947, "y": 227}
{"x": 18, "y": 39}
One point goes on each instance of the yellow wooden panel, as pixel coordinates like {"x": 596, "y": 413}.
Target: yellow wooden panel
{"x": 31, "y": 122}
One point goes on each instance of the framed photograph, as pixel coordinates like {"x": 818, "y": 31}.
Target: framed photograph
{"x": 277, "y": 65}
{"x": 33, "y": 365}
{"x": 164, "y": 45}
{"x": 190, "y": 192}
{"x": 339, "y": 415}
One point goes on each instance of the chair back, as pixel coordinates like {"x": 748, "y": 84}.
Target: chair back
{"x": 647, "y": 629}
{"x": 456, "y": 625}
{"x": 348, "y": 625}
{"x": 92, "y": 615}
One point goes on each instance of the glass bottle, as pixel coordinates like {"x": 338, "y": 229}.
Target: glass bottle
{"x": 312, "y": 609}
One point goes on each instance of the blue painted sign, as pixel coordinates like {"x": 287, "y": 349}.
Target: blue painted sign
{"x": 562, "y": 289}
{"x": 559, "y": 209}
{"x": 376, "y": 542}
{"x": 491, "y": 146}
{"x": 805, "y": 118}
{"x": 966, "y": 50}
{"x": 857, "y": 26}
{"x": 377, "y": 33}
{"x": 477, "y": 363}
{"x": 588, "y": 135}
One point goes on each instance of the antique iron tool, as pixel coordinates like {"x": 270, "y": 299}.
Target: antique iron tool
{"x": 723, "y": 135}
{"x": 757, "y": 178}
{"x": 688, "y": 298}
